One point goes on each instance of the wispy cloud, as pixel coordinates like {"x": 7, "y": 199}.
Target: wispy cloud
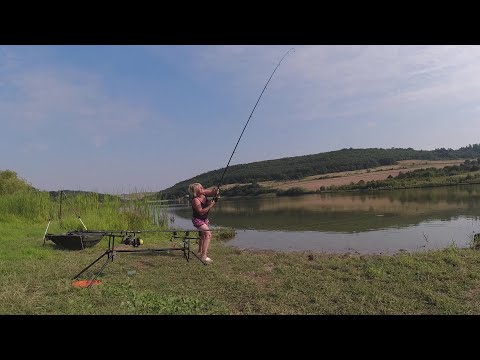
{"x": 338, "y": 81}
{"x": 35, "y": 147}
{"x": 152, "y": 99}
{"x": 37, "y": 98}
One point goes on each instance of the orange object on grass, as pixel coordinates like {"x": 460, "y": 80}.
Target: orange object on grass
{"x": 85, "y": 283}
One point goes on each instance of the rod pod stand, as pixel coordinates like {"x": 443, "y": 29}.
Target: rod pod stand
{"x": 111, "y": 251}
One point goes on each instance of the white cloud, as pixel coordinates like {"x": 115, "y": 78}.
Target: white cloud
{"x": 335, "y": 81}
{"x": 39, "y": 98}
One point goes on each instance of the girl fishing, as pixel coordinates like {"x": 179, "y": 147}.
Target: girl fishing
{"x": 201, "y": 206}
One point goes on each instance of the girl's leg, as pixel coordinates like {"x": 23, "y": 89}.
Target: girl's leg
{"x": 206, "y": 243}
{"x": 204, "y": 240}
{"x": 200, "y": 240}
{"x": 200, "y": 243}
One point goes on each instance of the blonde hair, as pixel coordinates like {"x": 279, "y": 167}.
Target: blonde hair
{"x": 192, "y": 189}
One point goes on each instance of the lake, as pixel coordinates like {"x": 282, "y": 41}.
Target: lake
{"x": 365, "y": 223}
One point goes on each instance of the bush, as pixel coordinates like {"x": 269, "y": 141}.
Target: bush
{"x": 10, "y": 183}
{"x": 292, "y": 192}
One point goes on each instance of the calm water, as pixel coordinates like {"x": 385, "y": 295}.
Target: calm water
{"x": 380, "y": 222}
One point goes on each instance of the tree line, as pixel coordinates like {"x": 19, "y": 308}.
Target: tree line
{"x": 298, "y": 167}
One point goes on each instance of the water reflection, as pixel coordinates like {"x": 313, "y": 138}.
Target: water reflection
{"x": 412, "y": 219}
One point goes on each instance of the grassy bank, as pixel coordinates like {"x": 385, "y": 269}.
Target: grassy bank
{"x": 36, "y": 279}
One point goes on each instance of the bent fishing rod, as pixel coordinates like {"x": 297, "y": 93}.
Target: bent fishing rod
{"x": 233, "y": 152}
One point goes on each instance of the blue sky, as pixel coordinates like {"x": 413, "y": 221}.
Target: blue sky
{"x": 119, "y": 119}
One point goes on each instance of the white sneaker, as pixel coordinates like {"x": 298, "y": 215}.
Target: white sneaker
{"x": 207, "y": 260}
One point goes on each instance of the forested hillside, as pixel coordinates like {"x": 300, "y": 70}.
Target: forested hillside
{"x": 298, "y": 167}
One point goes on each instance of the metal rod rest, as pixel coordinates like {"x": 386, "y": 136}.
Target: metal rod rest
{"x": 111, "y": 251}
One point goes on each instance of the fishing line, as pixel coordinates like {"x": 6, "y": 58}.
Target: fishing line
{"x": 233, "y": 152}
{"x": 65, "y": 194}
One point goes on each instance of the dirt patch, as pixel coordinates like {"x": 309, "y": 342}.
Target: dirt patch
{"x": 347, "y": 177}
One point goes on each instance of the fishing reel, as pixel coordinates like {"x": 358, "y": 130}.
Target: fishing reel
{"x": 132, "y": 240}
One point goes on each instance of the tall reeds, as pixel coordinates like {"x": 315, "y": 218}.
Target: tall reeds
{"x": 97, "y": 211}
{"x": 30, "y": 206}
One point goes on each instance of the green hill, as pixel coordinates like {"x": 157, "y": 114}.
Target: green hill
{"x": 298, "y": 167}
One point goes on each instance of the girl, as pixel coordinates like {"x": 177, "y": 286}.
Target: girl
{"x": 201, "y": 206}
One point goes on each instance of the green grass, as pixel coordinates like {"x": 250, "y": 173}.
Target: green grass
{"x": 96, "y": 212}
{"x": 37, "y": 279}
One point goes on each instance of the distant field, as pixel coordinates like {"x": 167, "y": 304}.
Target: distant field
{"x": 347, "y": 177}
{"x": 136, "y": 195}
